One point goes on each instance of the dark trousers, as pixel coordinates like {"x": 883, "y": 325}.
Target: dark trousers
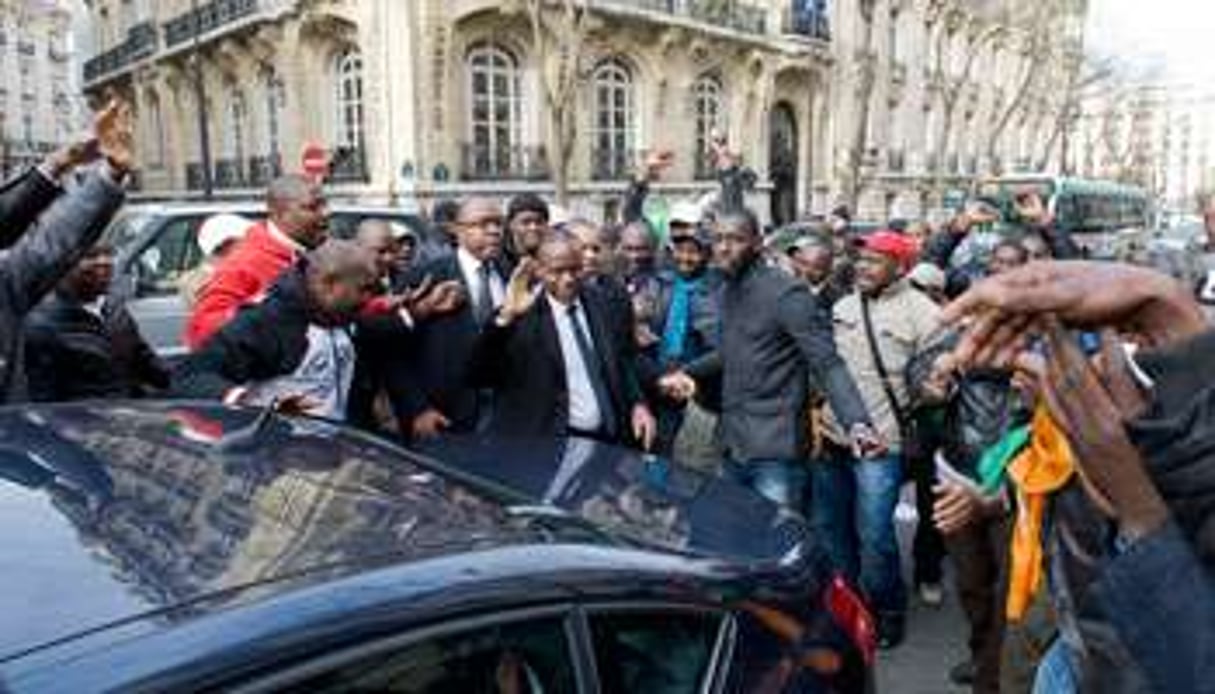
{"x": 980, "y": 554}
{"x": 928, "y": 548}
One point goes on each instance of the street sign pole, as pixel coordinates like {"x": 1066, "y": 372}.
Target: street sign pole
{"x": 200, "y": 95}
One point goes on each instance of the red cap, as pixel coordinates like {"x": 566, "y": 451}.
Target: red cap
{"x": 902, "y": 248}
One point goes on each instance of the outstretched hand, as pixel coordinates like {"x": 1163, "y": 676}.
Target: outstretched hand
{"x": 521, "y": 292}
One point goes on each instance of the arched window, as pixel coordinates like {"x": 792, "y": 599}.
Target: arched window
{"x": 614, "y": 131}
{"x": 238, "y": 118}
{"x": 349, "y": 83}
{"x": 494, "y": 116}
{"x": 273, "y": 95}
{"x": 156, "y": 131}
{"x": 707, "y": 94}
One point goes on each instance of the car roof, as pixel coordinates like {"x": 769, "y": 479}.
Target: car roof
{"x": 160, "y": 512}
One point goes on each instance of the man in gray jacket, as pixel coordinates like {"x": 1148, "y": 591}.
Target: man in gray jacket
{"x": 39, "y": 256}
{"x": 774, "y": 338}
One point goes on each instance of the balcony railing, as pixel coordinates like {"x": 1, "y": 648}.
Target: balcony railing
{"x": 205, "y": 19}
{"x": 482, "y": 163}
{"x": 611, "y": 164}
{"x": 229, "y": 174}
{"x": 808, "y": 18}
{"x": 348, "y": 165}
{"x": 264, "y": 169}
{"x": 731, "y": 14}
{"x": 705, "y": 169}
{"x": 139, "y": 43}
{"x": 194, "y": 176}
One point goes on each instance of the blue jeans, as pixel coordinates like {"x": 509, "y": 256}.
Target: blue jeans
{"x": 852, "y": 514}
{"x": 780, "y": 481}
{"x": 1055, "y": 674}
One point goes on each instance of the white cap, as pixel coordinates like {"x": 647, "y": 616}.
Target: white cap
{"x": 401, "y": 230}
{"x": 220, "y": 229}
{"x": 686, "y": 212}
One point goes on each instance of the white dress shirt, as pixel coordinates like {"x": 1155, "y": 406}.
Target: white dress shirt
{"x": 584, "y": 411}
{"x": 470, "y": 267}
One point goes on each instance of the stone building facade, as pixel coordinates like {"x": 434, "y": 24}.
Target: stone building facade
{"x": 430, "y": 98}
{"x": 38, "y": 85}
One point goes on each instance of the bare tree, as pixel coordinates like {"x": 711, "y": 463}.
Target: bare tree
{"x": 864, "y": 98}
{"x": 1040, "y": 28}
{"x": 559, "y": 31}
{"x": 980, "y": 34}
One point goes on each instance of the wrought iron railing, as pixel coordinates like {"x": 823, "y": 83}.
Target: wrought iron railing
{"x": 611, "y": 164}
{"x": 139, "y": 43}
{"x": 480, "y": 162}
{"x": 205, "y": 19}
{"x": 348, "y": 165}
{"x": 739, "y": 15}
{"x": 264, "y": 169}
{"x": 808, "y": 18}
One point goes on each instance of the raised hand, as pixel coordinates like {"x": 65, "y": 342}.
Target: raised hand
{"x": 115, "y": 131}
{"x": 297, "y": 404}
{"x": 521, "y": 292}
{"x": 656, "y": 162}
{"x": 867, "y": 442}
{"x": 429, "y": 424}
{"x": 429, "y": 299}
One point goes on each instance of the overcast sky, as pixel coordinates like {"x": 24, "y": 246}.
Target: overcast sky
{"x": 1178, "y": 34}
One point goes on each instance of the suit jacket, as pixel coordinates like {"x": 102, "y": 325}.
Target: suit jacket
{"x": 32, "y": 266}
{"x": 523, "y": 364}
{"x": 776, "y": 338}
{"x": 437, "y": 371}
{"x": 74, "y": 354}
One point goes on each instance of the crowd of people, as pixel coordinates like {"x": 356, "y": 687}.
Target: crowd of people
{"x": 1054, "y": 415}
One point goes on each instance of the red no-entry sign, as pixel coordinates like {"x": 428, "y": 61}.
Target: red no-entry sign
{"x": 315, "y": 161}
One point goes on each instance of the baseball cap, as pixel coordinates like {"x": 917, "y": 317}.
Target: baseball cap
{"x": 927, "y": 276}
{"x": 890, "y": 243}
{"x": 219, "y": 229}
{"x": 686, "y": 212}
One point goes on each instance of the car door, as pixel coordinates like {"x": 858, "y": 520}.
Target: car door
{"x": 152, "y": 275}
{"x": 532, "y": 652}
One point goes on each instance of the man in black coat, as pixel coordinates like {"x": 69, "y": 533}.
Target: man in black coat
{"x": 775, "y": 337}
{"x": 81, "y": 345}
{"x": 557, "y": 363}
{"x": 439, "y": 395}
{"x": 36, "y": 259}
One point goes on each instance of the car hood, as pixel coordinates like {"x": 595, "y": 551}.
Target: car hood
{"x": 148, "y": 514}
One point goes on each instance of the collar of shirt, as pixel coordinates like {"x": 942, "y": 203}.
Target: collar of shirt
{"x": 560, "y": 309}
{"x": 469, "y": 265}
{"x": 278, "y": 235}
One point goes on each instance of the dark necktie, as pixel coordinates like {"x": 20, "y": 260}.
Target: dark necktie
{"x": 484, "y": 306}
{"x": 594, "y": 372}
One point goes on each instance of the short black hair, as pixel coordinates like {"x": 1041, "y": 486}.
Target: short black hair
{"x": 1016, "y": 243}
{"x": 527, "y": 202}
{"x": 842, "y": 212}
{"x": 742, "y": 217}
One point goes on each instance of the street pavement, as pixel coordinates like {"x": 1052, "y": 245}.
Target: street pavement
{"x": 936, "y": 637}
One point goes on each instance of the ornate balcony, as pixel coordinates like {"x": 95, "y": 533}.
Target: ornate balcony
{"x": 205, "y": 19}
{"x": 481, "y": 163}
{"x": 730, "y": 14}
{"x": 139, "y": 44}
{"x": 194, "y": 176}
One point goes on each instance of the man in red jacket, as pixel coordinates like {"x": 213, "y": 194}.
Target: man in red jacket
{"x": 298, "y": 222}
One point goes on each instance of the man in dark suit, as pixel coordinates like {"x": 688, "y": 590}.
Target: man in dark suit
{"x": 441, "y": 398}
{"x": 80, "y": 344}
{"x": 775, "y": 339}
{"x": 557, "y": 363}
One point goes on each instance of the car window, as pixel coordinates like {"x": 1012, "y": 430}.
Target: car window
{"x": 530, "y": 657}
{"x": 174, "y": 251}
{"x": 658, "y": 652}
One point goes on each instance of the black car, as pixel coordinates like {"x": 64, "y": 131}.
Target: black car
{"x": 185, "y": 547}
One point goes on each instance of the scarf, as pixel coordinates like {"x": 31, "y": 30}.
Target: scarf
{"x": 1042, "y": 467}
{"x": 679, "y": 314}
